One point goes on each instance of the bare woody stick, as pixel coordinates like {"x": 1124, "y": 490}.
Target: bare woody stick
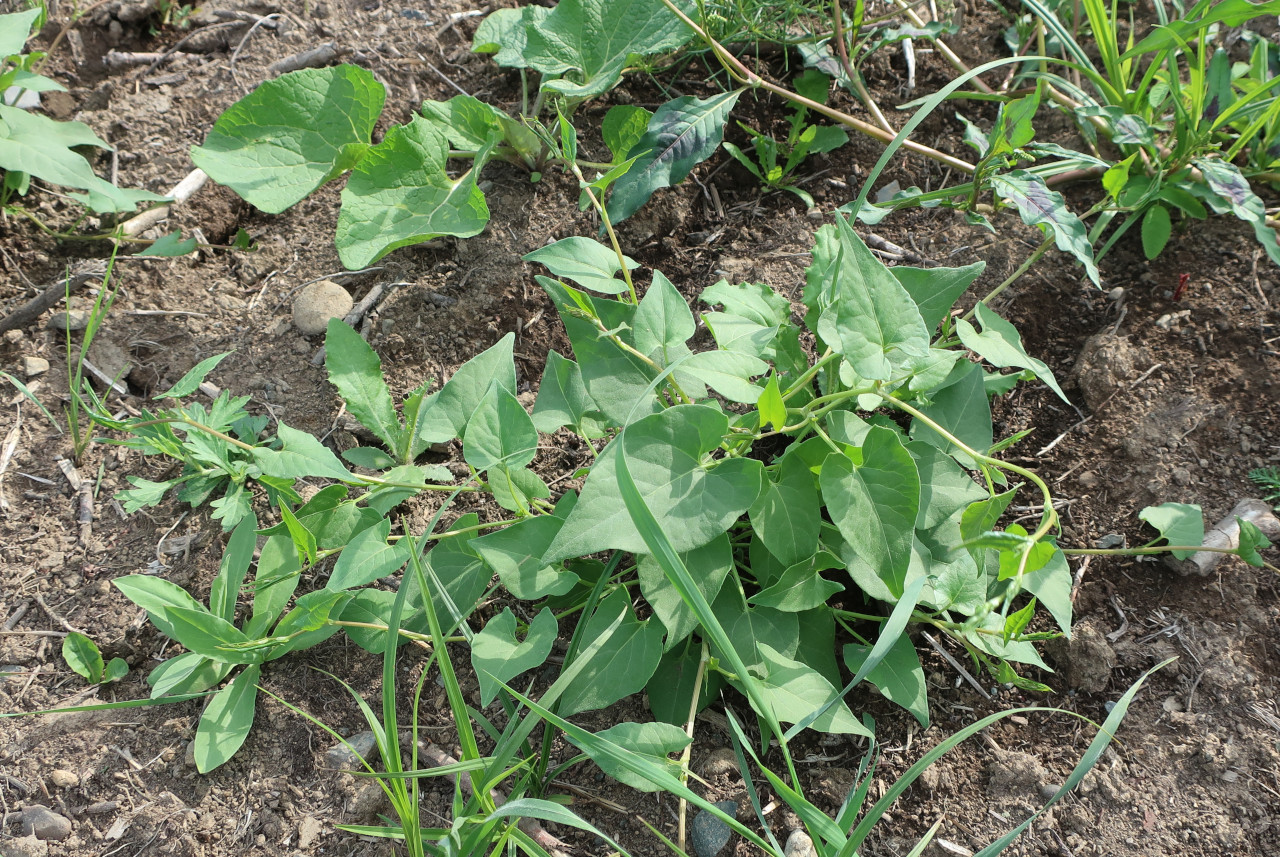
{"x": 181, "y": 192}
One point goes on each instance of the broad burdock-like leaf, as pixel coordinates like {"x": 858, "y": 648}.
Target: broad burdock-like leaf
{"x": 504, "y": 33}
{"x": 399, "y": 194}
{"x": 465, "y": 120}
{"x": 1047, "y": 210}
{"x": 622, "y": 128}
{"x": 292, "y": 134}
{"x": 590, "y": 42}
{"x": 682, "y": 133}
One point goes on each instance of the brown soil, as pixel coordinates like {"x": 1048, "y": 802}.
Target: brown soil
{"x": 1181, "y": 404}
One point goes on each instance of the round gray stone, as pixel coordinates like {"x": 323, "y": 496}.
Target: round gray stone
{"x": 43, "y": 823}
{"x": 317, "y": 303}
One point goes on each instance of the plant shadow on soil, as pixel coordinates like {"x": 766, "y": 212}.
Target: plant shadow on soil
{"x": 1180, "y": 395}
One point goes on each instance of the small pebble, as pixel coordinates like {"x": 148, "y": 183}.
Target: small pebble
{"x": 76, "y": 319}
{"x": 33, "y": 366}
{"x": 709, "y": 834}
{"x": 43, "y": 823}
{"x": 64, "y": 779}
{"x": 317, "y": 303}
{"x": 363, "y": 746}
{"x": 1116, "y": 294}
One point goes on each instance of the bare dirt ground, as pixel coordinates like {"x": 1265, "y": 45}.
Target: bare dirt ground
{"x": 1180, "y": 405}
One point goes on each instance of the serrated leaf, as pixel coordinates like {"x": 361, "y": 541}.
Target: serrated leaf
{"x": 498, "y": 656}
{"x": 874, "y": 505}
{"x": 356, "y": 370}
{"x": 586, "y": 262}
{"x": 693, "y": 501}
{"x": 592, "y": 41}
{"x": 83, "y": 656}
{"x": 1000, "y": 345}
{"x": 868, "y": 317}
{"x": 899, "y": 676}
{"x": 1178, "y": 523}
{"x": 226, "y": 722}
{"x": 681, "y": 134}
{"x": 292, "y": 134}
{"x": 624, "y": 663}
{"x": 1047, "y": 210}
{"x": 399, "y": 194}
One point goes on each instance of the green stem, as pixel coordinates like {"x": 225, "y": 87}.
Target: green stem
{"x": 809, "y": 374}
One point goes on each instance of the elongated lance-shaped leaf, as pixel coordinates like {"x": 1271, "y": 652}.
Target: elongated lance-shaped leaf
{"x": 356, "y": 370}
{"x": 1000, "y": 344}
{"x": 292, "y": 134}
{"x": 1047, "y": 210}
{"x": 682, "y": 134}
{"x": 226, "y": 722}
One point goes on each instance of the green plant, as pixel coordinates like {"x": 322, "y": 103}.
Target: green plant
{"x": 1268, "y": 478}
{"x": 35, "y": 146}
{"x": 1169, "y": 106}
{"x": 776, "y": 160}
{"x": 85, "y": 659}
